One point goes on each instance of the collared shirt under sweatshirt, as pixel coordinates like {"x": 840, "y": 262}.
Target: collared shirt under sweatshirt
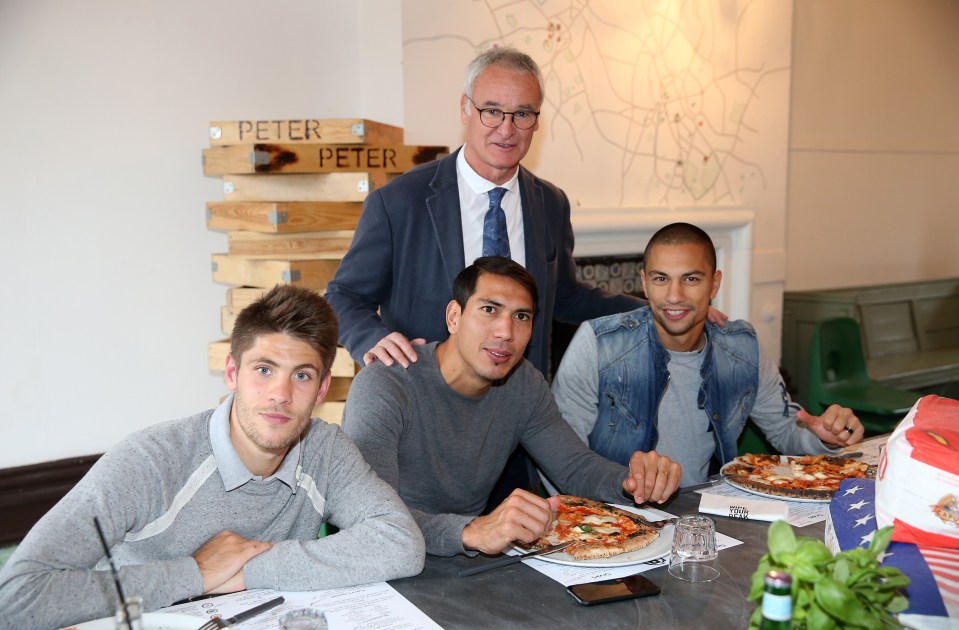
{"x": 163, "y": 492}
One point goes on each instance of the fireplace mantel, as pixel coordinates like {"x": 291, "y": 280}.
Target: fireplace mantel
{"x": 601, "y": 231}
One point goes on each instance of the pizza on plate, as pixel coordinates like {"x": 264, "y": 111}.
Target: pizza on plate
{"x": 599, "y": 530}
{"x": 815, "y": 477}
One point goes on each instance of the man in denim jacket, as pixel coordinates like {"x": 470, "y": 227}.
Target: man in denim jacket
{"x": 663, "y": 379}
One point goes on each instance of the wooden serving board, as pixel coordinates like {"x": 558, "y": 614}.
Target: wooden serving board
{"x": 315, "y": 158}
{"x": 283, "y": 217}
{"x": 327, "y": 130}
{"x": 313, "y": 274}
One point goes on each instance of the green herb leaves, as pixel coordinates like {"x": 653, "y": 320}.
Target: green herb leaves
{"x": 848, "y": 590}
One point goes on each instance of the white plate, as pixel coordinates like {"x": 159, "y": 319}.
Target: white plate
{"x": 151, "y": 621}
{"x": 784, "y": 461}
{"x": 659, "y": 548}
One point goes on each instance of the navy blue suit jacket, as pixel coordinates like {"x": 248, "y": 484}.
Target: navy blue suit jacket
{"x": 408, "y": 249}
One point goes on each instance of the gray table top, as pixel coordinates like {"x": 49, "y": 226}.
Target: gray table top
{"x": 520, "y": 597}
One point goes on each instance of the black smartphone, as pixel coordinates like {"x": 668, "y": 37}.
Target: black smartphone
{"x": 613, "y": 590}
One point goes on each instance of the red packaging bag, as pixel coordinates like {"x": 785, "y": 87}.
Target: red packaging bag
{"x": 917, "y": 487}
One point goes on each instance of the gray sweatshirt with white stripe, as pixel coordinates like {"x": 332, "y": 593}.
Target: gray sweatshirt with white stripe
{"x": 160, "y": 496}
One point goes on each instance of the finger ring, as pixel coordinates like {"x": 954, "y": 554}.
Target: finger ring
{"x": 847, "y": 430}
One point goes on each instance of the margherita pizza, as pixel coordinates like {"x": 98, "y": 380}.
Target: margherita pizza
{"x": 600, "y": 530}
{"x": 810, "y": 477}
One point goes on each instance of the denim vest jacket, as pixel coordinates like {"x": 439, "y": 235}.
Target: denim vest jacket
{"x": 633, "y": 373}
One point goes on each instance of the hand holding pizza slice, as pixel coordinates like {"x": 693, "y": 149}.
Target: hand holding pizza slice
{"x": 521, "y": 518}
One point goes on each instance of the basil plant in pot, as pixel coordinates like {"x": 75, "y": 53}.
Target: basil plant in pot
{"x": 848, "y": 590}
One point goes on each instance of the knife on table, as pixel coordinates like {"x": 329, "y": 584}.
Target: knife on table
{"x": 508, "y": 560}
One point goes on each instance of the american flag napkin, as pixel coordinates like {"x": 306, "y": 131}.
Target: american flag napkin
{"x": 934, "y": 590}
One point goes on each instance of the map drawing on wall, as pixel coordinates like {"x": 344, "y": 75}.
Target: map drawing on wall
{"x": 648, "y": 103}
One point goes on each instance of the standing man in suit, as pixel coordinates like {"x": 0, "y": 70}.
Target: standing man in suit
{"x": 419, "y": 231}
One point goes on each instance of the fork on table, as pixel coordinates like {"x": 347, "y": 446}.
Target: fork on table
{"x": 217, "y": 622}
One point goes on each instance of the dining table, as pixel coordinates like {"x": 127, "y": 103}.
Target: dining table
{"x": 518, "y": 596}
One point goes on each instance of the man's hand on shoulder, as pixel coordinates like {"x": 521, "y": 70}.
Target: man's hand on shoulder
{"x": 522, "y": 517}
{"x": 716, "y": 316}
{"x": 837, "y": 426}
{"x": 652, "y": 477}
{"x": 393, "y": 348}
{"x": 222, "y": 558}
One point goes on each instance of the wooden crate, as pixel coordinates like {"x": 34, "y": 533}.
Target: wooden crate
{"x": 330, "y": 410}
{"x": 329, "y": 130}
{"x": 283, "y": 217}
{"x": 315, "y": 158}
{"x": 227, "y": 319}
{"x": 238, "y": 298}
{"x": 302, "y": 187}
{"x": 246, "y": 272}
{"x": 217, "y": 351}
{"x": 307, "y": 245}
{"x": 339, "y": 387}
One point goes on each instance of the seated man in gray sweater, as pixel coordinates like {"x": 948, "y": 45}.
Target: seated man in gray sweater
{"x": 228, "y": 499}
{"x": 440, "y": 431}
{"x": 663, "y": 377}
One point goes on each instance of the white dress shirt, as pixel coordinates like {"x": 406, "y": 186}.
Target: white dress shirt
{"x": 474, "y": 203}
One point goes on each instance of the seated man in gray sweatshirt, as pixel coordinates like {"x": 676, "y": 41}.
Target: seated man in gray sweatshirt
{"x": 228, "y": 499}
{"x": 663, "y": 377}
{"x": 441, "y": 430}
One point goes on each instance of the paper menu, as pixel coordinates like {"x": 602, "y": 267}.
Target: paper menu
{"x": 567, "y": 574}
{"x": 374, "y": 606}
{"x": 871, "y": 449}
{"x": 799, "y": 513}
{"x": 741, "y": 507}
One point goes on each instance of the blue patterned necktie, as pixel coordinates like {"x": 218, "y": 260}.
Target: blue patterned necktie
{"x": 495, "y": 236}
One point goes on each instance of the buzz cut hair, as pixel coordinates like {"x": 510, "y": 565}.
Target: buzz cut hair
{"x": 685, "y": 234}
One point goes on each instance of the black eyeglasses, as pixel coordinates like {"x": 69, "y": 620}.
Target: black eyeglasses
{"x": 494, "y": 117}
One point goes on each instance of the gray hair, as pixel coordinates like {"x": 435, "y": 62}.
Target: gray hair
{"x": 508, "y": 58}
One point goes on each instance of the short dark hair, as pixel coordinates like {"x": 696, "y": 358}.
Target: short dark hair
{"x": 684, "y": 234}
{"x": 295, "y": 311}
{"x": 464, "y": 286}
{"x": 505, "y": 57}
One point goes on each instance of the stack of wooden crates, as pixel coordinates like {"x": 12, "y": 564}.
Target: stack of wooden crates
{"x": 293, "y": 191}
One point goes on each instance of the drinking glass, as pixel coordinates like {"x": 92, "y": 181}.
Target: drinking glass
{"x": 135, "y": 608}
{"x": 694, "y": 557}
{"x": 303, "y": 619}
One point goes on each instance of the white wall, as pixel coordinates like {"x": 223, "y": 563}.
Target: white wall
{"x": 649, "y": 107}
{"x": 874, "y": 146}
{"x": 108, "y": 302}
